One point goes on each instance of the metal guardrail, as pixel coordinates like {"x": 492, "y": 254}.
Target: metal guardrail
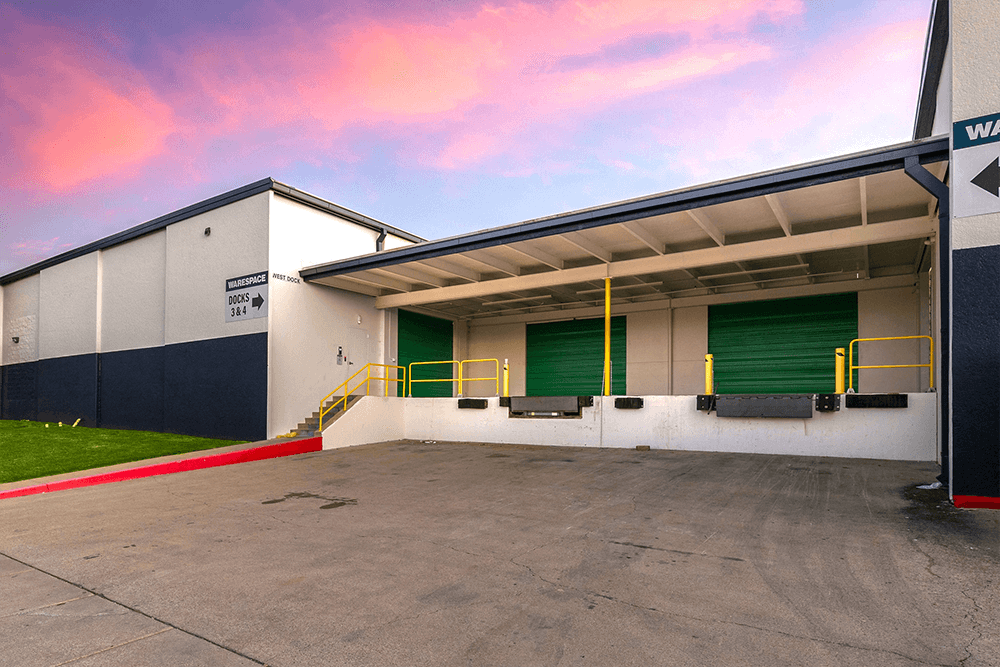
{"x": 495, "y": 378}
{"x": 409, "y": 391}
{"x": 851, "y": 368}
{"x": 367, "y": 370}
{"x": 460, "y": 379}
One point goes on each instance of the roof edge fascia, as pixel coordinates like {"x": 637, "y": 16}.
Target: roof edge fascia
{"x": 210, "y": 204}
{"x": 890, "y": 158}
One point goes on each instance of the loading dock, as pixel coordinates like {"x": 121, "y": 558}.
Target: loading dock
{"x": 80, "y": 338}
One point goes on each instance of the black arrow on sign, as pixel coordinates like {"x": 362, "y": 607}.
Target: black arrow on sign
{"x": 989, "y": 179}
{"x": 258, "y": 301}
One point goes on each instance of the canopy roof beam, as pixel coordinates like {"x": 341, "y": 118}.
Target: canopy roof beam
{"x": 851, "y": 237}
{"x": 588, "y": 246}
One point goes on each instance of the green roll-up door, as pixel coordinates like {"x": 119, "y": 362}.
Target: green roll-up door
{"x": 780, "y": 347}
{"x": 426, "y": 338}
{"x": 567, "y": 358}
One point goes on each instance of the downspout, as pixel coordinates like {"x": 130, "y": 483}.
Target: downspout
{"x": 939, "y": 190}
{"x": 380, "y": 241}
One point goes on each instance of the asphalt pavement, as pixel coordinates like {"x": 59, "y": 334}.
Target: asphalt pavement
{"x": 427, "y": 553}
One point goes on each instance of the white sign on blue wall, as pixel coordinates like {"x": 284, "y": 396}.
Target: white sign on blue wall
{"x": 976, "y": 162}
{"x": 246, "y": 297}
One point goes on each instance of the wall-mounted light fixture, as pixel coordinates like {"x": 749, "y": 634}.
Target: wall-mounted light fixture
{"x": 16, "y": 339}
{"x": 359, "y": 319}
{"x": 208, "y": 231}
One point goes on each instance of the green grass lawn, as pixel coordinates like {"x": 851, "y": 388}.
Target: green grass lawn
{"x": 29, "y": 449}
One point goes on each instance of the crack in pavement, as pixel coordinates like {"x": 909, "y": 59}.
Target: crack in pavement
{"x": 975, "y": 626}
{"x": 513, "y": 560}
{"x": 675, "y": 551}
{"x": 105, "y": 650}
{"x": 33, "y": 610}
{"x": 931, "y": 562}
{"x": 137, "y": 611}
{"x": 724, "y": 622}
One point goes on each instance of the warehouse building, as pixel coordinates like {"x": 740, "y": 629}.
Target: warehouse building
{"x": 191, "y": 322}
{"x": 236, "y": 316}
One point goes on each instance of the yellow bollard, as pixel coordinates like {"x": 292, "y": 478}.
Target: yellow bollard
{"x": 709, "y": 374}
{"x": 506, "y": 378}
{"x": 840, "y": 370}
{"x": 607, "y": 336}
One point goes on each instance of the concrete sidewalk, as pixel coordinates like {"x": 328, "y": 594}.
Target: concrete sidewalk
{"x": 161, "y": 465}
{"x": 416, "y": 553}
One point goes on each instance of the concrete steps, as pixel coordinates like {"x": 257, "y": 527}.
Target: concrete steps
{"x": 310, "y": 426}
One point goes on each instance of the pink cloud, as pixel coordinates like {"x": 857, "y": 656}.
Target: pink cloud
{"x": 75, "y": 114}
{"x": 502, "y": 83}
{"x": 34, "y": 249}
{"x": 436, "y": 76}
{"x": 835, "y": 99}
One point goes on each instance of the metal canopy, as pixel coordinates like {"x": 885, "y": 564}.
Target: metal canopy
{"x": 853, "y": 218}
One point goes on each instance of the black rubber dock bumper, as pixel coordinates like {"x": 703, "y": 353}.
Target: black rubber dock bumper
{"x": 877, "y": 400}
{"x": 549, "y": 406}
{"x": 827, "y": 402}
{"x": 790, "y": 407}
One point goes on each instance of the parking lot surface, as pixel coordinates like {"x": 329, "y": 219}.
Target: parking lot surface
{"x": 425, "y": 553}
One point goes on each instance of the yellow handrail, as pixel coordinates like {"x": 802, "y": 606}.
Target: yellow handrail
{"x": 461, "y": 365}
{"x": 852, "y": 367}
{"x": 367, "y": 369}
{"x": 428, "y": 363}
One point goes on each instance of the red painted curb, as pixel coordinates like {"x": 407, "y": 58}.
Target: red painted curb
{"x": 274, "y": 451}
{"x": 981, "y": 502}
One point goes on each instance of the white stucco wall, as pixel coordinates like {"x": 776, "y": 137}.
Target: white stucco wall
{"x": 67, "y": 307}
{"x": 308, "y": 323}
{"x": 504, "y": 341}
{"x": 392, "y": 242}
{"x": 942, "y": 107}
{"x": 975, "y": 54}
{"x": 690, "y": 345}
{"x": 648, "y": 354}
{"x": 197, "y": 266}
{"x": 883, "y": 314}
{"x": 20, "y": 319}
{"x": 665, "y": 422}
{"x": 133, "y": 293}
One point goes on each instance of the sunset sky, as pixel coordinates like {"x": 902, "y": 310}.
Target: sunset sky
{"x": 437, "y": 117}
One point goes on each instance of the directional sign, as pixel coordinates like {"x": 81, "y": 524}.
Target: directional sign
{"x": 989, "y": 178}
{"x": 246, "y": 297}
{"x": 976, "y": 164}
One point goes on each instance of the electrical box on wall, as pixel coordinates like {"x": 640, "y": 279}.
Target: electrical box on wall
{"x": 340, "y": 356}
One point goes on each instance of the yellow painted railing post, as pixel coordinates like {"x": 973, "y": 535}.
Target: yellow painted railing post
{"x": 851, "y": 368}
{"x": 840, "y": 370}
{"x": 506, "y": 378}
{"x": 607, "y": 336}
{"x": 709, "y": 374}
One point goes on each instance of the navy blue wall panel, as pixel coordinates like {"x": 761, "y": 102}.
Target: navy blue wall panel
{"x": 67, "y": 389}
{"x": 976, "y": 371}
{"x": 217, "y": 388}
{"x": 132, "y": 389}
{"x": 20, "y": 391}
